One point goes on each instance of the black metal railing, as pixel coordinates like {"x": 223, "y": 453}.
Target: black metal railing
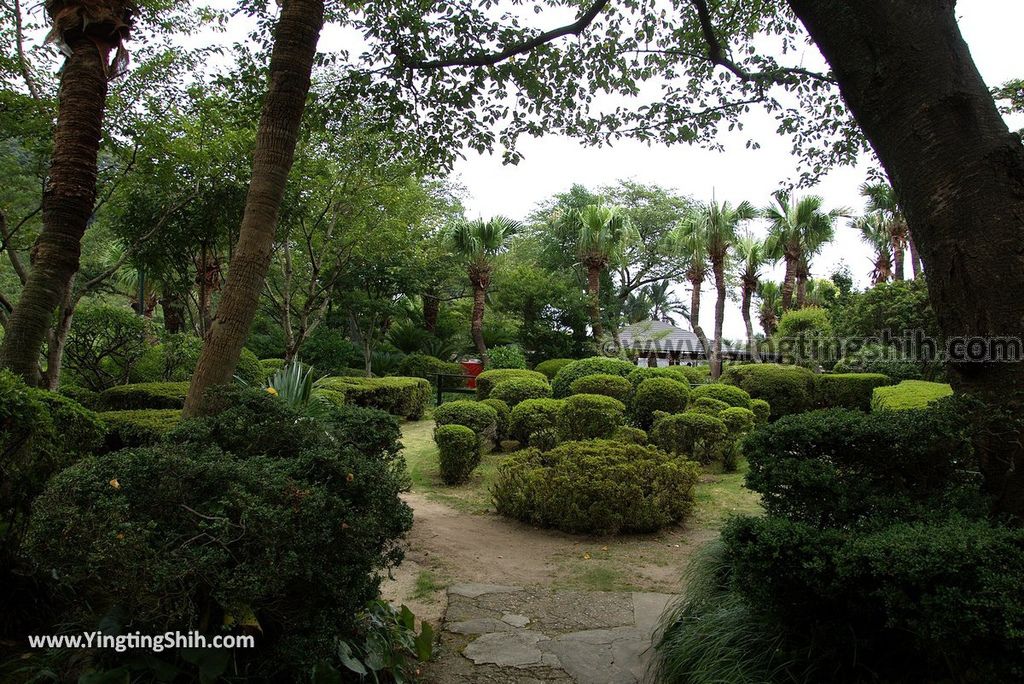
{"x": 444, "y": 385}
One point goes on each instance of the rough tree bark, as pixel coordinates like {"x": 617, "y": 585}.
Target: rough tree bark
{"x": 594, "y": 296}
{"x": 695, "y": 285}
{"x": 718, "y": 267}
{"x": 789, "y": 283}
{"x": 291, "y": 66}
{"x": 476, "y": 326}
{"x": 909, "y": 79}
{"x": 746, "y": 296}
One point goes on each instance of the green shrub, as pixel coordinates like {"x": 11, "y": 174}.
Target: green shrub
{"x": 328, "y": 350}
{"x": 788, "y": 389}
{"x": 458, "y": 451}
{"x": 679, "y": 373}
{"x": 504, "y": 417}
{"x": 694, "y": 435}
{"x": 405, "y": 397}
{"x": 270, "y": 367}
{"x": 515, "y": 390}
{"x": 144, "y": 395}
{"x": 738, "y": 421}
{"x": 506, "y": 356}
{"x": 369, "y": 431}
{"x": 85, "y": 397}
{"x": 876, "y": 358}
{"x": 532, "y": 416}
{"x": 486, "y": 381}
{"x": 707, "y": 405}
{"x": 475, "y": 415}
{"x": 614, "y": 386}
{"x": 630, "y": 435}
{"x": 598, "y": 365}
{"x": 551, "y": 367}
{"x": 730, "y": 394}
{"x": 248, "y": 369}
{"x": 658, "y": 394}
{"x": 909, "y": 394}
{"x": 848, "y": 390}
{"x": 138, "y": 428}
{"x": 805, "y": 336}
{"x": 590, "y": 416}
{"x": 544, "y": 440}
{"x": 598, "y": 486}
{"x": 103, "y": 346}
{"x": 173, "y": 360}
{"x": 762, "y": 410}
{"x": 419, "y": 365}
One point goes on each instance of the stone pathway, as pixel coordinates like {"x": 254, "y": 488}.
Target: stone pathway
{"x": 507, "y": 635}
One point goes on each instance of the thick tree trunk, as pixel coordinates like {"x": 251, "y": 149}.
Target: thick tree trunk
{"x": 898, "y": 271}
{"x": 594, "y": 297}
{"x": 68, "y": 200}
{"x": 789, "y": 284}
{"x": 909, "y": 79}
{"x": 718, "y": 266}
{"x": 291, "y": 65}
{"x": 695, "y": 316}
{"x": 915, "y": 259}
{"x": 476, "y": 326}
{"x": 431, "y": 309}
{"x": 801, "y": 290}
{"x": 174, "y": 313}
{"x": 747, "y": 295}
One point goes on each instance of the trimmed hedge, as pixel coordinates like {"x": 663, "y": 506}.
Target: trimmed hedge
{"x": 694, "y": 435}
{"x": 532, "y": 416}
{"x": 417, "y": 365}
{"x": 614, "y": 386}
{"x": 597, "y": 365}
{"x": 848, "y": 390}
{"x": 486, "y": 381}
{"x": 475, "y": 415}
{"x": 658, "y": 394}
{"x": 597, "y": 486}
{"x": 590, "y": 416}
{"x": 139, "y": 428}
{"x": 405, "y": 397}
{"x": 762, "y": 410}
{"x": 270, "y": 367}
{"x": 788, "y": 389}
{"x": 143, "y": 395}
{"x": 731, "y": 395}
{"x": 458, "y": 452}
{"x": 707, "y": 405}
{"x": 909, "y": 394}
{"x": 678, "y": 373}
{"x": 551, "y": 367}
{"x": 249, "y": 370}
{"x": 630, "y": 435}
{"x": 515, "y": 390}
{"x": 504, "y": 412}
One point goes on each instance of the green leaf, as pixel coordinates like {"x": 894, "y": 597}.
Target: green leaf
{"x": 349, "y": 660}
{"x": 425, "y": 642}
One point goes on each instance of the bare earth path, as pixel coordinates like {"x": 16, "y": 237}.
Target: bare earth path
{"x": 522, "y": 604}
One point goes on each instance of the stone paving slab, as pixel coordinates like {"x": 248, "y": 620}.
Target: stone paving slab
{"x": 494, "y": 633}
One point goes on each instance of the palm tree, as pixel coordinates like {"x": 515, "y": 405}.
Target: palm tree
{"x": 799, "y": 229}
{"x": 601, "y": 235}
{"x": 690, "y": 242}
{"x": 91, "y": 35}
{"x": 768, "y": 311}
{"x": 478, "y": 243}
{"x": 653, "y": 302}
{"x": 874, "y": 230}
{"x": 882, "y": 199}
{"x": 750, "y": 259}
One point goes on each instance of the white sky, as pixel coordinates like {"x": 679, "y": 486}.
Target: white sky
{"x": 992, "y": 29}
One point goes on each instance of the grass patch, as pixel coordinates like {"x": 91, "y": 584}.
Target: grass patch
{"x": 427, "y": 584}
{"x": 720, "y": 496}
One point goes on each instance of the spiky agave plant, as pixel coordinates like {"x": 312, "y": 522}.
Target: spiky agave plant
{"x": 293, "y": 384}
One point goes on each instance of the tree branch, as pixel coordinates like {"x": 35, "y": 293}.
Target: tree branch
{"x": 492, "y": 58}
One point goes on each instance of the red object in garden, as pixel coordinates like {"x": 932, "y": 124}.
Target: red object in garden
{"x": 473, "y": 368}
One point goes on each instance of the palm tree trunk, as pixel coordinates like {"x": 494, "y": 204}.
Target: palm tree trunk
{"x": 898, "y": 271}
{"x": 747, "y": 295}
{"x": 291, "y": 65}
{"x": 789, "y": 284}
{"x": 915, "y": 258}
{"x": 718, "y": 266}
{"x": 801, "y": 290}
{"x": 477, "y": 324}
{"x": 695, "y": 284}
{"x": 68, "y": 200}
{"x": 594, "y": 294}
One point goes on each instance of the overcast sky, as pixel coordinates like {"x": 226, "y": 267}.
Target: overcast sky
{"x": 992, "y": 29}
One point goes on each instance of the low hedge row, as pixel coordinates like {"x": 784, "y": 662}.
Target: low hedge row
{"x": 909, "y": 394}
{"x": 848, "y": 390}
{"x": 143, "y": 395}
{"x": 486, "y": 381}
{"x": 598, "y": 365}
{"x": 787, "y": 389}
{"x": 138, "y": 428}
{"x": 399, "y": 396}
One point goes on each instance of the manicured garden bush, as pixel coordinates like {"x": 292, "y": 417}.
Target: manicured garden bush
{"x": 532, "y": 416}
{"x": 730, "y": 394}
{"x": 596, "y": 486}
{"x": 515, "y": 390}
{"x": 788, "y": 389}
{"x": 598, "y": 365}
{"x": 544, "y": 440}
{"x": 693, "y": 435}
{"x": 551, "y": 367}
{"x": 739, "y": 422}
{"x": 909, "y": 394}
{"x": 144, "y": 395}
{"x": 640, "y": 374}
{"x": 249, "y": 369}
{"x": 590, "y": 416}
{"x": 762, "y": 410}
{"x": 614, "y": 386}
{"x": 103, "y": 346}
{"x": 368, "y": 431}
{"x": 418, "y": 365}
{"x": 476, "y": 415}
{"x": 405, "y": 397}
{"x": 658, "y": 394}
{"x": 711, "y": 407}
{"x": 848, "y": 390}
{"x": 504, "y": 412}
{"x": 506, "y": 356}
{"x": 458, "y": 449}
{"x": 630, "y": 435}
{"x": 138, "y": 428}
{"x": 804, "y": 336}
{"x": 486, "y": 381}
{"x": 271, "y": 366}
{"x": 173, "y": 360}
{"x": 875, "y": 358}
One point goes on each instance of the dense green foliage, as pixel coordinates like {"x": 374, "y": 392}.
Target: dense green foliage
{"x": 458, "y": 452}
{"x": 708, "y": 406}
{"x": 698, "y": 436}
{"x": 731, "y": 395}
{"x": 658, "y": 394}
{"x": 909, "y": 394}
{"x": 787, "y": 389}
{"x": 504, "y": 412}
{"x": 630, "y": 435}
{"x": 506, "y": 356}
{"x": 590, "y": 416}
{"x": 404, "y": 397}
{"x": 551, "y": 367}
{"x": 596, "y": 486}
{"x": 486, "y": 381}
{"x": 104, "y": 345}
{"x": 146, "y": 395}
{"x": 848, "y": 390}
{"x": 172, "y": 360}
{"x": 762, "y": 410}
{"x": 419, "y": 365}
{"x": 515, "y": 390}
{"x": 138, "y": 427}
{"x": 597, "y": 365}
{"x": 532, "y": 416}
{"x": 685, "y": 374}
{"x": 614, "y": 386}
{"x": 874, "y": 358}
{"x": 475, "y": 415}
{"x": 805, "y": 337}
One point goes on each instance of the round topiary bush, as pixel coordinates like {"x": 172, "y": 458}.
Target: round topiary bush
{"x": 249, "y": 369}
{"x": 534, "y": 415}
{"x": 695, "y": 435}
{"x": 614, "y": 386}
{"x": 515, "y": 390}
{"x": 679, "y": 373}
{"x": 599, "y": 486}
{"x": 762, "y": 410}
{"x": 658, "y": 394}
{"x": 551, "y": 367}
{"x": 590, "y": 416}
{"x": 788, "y": 389}
{"x": 477, "y": 416}
{"x": 738, "y": 421}
{"x": 848, "y": 390}
{"x": 504, "y": 416}
{"x": 486, "y": 381}
{"x": 711, "y": 407}
{"x": 630, "y": 435}
{"x": 598, "y": 365}
{"x": 458, "y": 452}
{"x": 730, "y": 394}
{"x": 506, "y": 356}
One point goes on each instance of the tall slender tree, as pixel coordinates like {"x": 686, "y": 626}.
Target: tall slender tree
{"x": 91, "y": 34}
{"x": 882, "y": 199}
{"x": 874, "y": 230}
{"x": 478, "y": 243}
{"x": 690, "y": 242}
{"x": 750, "y": 259}
{"x": 770, "y": 295}
{"x": 799, "y": 229}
